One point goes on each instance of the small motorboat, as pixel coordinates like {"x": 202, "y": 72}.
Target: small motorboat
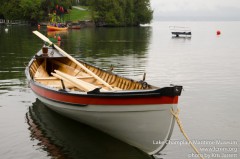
{"x": 133, "y": 111}
{"x": 55, "y": 28}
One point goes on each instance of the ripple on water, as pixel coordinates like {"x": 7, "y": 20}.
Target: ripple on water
{"x": 11, "y": 84}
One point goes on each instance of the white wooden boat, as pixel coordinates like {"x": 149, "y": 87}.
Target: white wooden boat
{"x": 133, "y": 111}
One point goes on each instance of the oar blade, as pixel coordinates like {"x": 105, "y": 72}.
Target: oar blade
{"x": 44, "y": 38}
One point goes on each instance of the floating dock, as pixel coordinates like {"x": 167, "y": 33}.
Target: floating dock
{"x": 178, "y": 31}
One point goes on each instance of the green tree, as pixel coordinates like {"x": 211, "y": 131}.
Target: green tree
{"x": 143, "y": 12}
{"x": 121, "y": 12}
{"x": 31, "y": 9}
{"x": 129, "y": 13}
{"x": 11, "y": 9}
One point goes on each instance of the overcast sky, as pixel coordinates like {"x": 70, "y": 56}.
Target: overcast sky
{"x": 196, "y": 9}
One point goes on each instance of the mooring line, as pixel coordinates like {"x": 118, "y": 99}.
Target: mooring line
{"x": 176, "y": 115}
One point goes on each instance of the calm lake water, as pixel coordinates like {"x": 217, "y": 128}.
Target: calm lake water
{"x": 207, "y": 65}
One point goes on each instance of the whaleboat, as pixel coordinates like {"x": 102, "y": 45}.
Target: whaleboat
{"x": 133, "y": 111}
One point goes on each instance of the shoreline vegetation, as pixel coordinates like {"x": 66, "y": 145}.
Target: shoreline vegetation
{"x": 99, "y": 13}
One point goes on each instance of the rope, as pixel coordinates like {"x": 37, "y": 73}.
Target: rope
{"x": 176, "y": 115}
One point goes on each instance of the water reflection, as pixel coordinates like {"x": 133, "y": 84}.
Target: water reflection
{"x": 104, "y": 47}
{"x": 17, "y": 47}
{"x": 182, "y": 37}
{"x": 56, "y": 36}
{"x": 108, "y": 42}
{"x": 65, "y": 138}
{"x": 56, "y": 33}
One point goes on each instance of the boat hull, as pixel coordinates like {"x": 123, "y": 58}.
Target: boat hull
{"x": 52, "y": 28}
{"x": 75, "y": 27}
{"x": 142, "y": 126}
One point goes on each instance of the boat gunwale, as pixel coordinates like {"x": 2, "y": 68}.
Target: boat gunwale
{"x": 120, "y": 93}
{"x": 170, "y": 91}
{"x": 86, "y": 99}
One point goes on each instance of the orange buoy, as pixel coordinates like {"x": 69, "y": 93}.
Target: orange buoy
{"x": 59, "y": 38}
{"x": 218, "y": 32}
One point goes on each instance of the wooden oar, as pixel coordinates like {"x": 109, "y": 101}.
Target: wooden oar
{"x": 44, "y": 38}
{"x": 81, "y": 83}
{"x": 76, "y": 82}
{"x": 79, "y": 86}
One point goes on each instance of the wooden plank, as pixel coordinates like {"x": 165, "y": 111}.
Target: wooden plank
{"x": 41, "y": 72}
{"x": 68, "y": 81}
{"x": 55, "y": 83}
{"x": 77, "y": 82}
{"x": 79, "y": 74}
{"x": 65, "y": 68}
{"x": 84, "y": 77}
{"x": 45, "y": 78}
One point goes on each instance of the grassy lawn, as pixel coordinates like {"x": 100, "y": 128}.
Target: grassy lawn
{"x": 76, "y": 14}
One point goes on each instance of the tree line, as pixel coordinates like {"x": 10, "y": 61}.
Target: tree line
{"x": 104, "y": 12}
{"x": 121, "y": 12}
{"x": 31, "y": 10}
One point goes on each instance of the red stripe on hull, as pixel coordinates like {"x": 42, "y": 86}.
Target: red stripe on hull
{"x": 86, "y": 100}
